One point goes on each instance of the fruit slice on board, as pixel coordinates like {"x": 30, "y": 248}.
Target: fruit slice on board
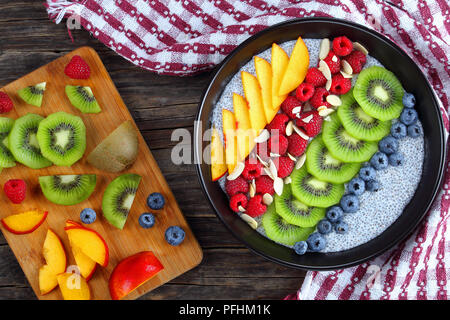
{"x": 83, "y": 99}
{"x": 218, "y": 161}
{"x": 6, "y": 158}
{"x": 68, "y": 189}
{"x": 296, "y": 69}
{"x": 56, "y": 262}
{"x": 33, "y": 94}
{"x": 253, "y": 95}
{"x": 279, "y": 63}
{"x": 90, "y": 243}
{"x": 230, "y": 139}
{"x": 264, "y": 74}
{"x": 245, "y": 133}
{"x": 73, "y": 287}
{"x": 25, "y": 222}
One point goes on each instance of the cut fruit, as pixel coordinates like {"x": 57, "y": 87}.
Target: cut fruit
{"x": 25, "y": 222}
{"x": 253, "y": 95}
{"x": 245, "y": 133}
{"x": 296, "y": 69}
{"x": 86, "y": 265}
{"x": 296, "y": 212}
{"x": 118, "y": 151}
{"x": 23, "y": 142}
{"x": 314, "y": 192}
{"x": 90, "y": 243}
{"x": 73, "y": 287}
{"x": 62, "y": 138}
{"x": 279, "y": 64}
{"x": 230, "y": 139}
{"x": 33, "y": 94}
{"x": 358, "y": 123}
{"x": 218, "y": 162}
{"x": 6, "y": 158}
{"x": 56, "y": 262}
{"x": 344, "y": 146}
{"x": 321, "y": 164}
{"x": 379, "y": 93}
{"x": 280, "y": 231}
{"x": 68, "y": 189}
{"x": 264, "y": 75}
{"x": 118, "y": 199}
{"x": 83, "y": 99}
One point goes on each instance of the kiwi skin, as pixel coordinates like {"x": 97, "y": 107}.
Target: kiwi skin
{"x": 69, "y": 189}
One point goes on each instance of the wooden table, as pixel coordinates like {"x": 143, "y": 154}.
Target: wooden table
{"x": 159, "y": 104}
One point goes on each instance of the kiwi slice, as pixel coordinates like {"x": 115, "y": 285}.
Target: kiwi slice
{"x": 62, "y": 138}
{"x": 33, "y": 94}
{"x": 342, "y": 145}
{"x": 6, "y": 158}
{"x": 83, "y": 99}
{"x": 321, "y": 164}
{"x": 296, "y": 212}
{"x": 314, "y": 192}
{"x": 379, "y": 93}
{"x": 118, "y": 199}
{"x": 68, "y": 189}
{"x": 279, "y": 230}
{"x": 23, "y": 142}
{"x": 358, "y": 123}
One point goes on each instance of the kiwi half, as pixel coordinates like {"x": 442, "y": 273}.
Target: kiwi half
{"x": 118, "y": 199}
{"x": 6, "y": 158}
{"x": 68, "y": 189}
{"x": 321, "y": 164}
{"x": 33, "y": 94}
{"x": 23, "y": 142}
{"x": 314, "y": 192}
{"x": 83, "y": 99}
{"x": 279, "y": 230}
{"x": 379, "y": 93}
{"x": 62, "y": 138}
{"x": 343, "y": 146}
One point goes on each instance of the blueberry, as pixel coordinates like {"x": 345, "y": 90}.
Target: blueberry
{"x": 414, "y": 130}
{"x": 350, "y": 203}
{"x": 388, "y": 145}
{"x": 147, "y": 220}
{"x": 316, "y": 242}
{"x": 372, "y": 185}
{"x": 174, "y": 235}
{"x": 341, "y": 227}
{"x": 379, "y": 161}
{"x": 324, "y": 226}
{"x": 367, "y": 173}
{"x": 409, "y": 101}
{"x": 396, "y": 159}
{"x": 300, "y": 247}
{"x": 334, "y": 214}
{"x": 156, "y": 201}
{"x": 408, "y": 116}
{"x": 88, "y": 216}
{"x": 398, "y": 130}
{"x": 356, "y": 186}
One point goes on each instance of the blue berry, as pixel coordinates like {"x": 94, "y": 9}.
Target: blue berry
{"x": 156, "y": 201}
{"x": 367, "y": 173}
{"x": 88, "y": 216}
{"x": 175, "y": 235}
{"x": 316, "y": 242}
{"x": 324, "y": 226}
{"x": 408, "y": 116}
{"x": 398, "y": 130}
{"x": 409, "y": 101}
{"x": 388, "y": 145}
{"x": 396, "y": 159}
{"x": 349, "y": 203}
{"x": 341, "y": 227}
{"x": 414, "y": 130}
{"x": 372, "y": 185}
{"x": 379, "y": 161}
{"x": 356, "y": 186}
{"x": 300, "y": 247}
{"x": 334, "y": 214}
{"x": 147, "y": 220}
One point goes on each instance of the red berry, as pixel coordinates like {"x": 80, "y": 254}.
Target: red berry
{"x": 264, "y": 184}
{"x": 278, "y": 144}
{"x": 237, "y": 200}
{"x": 289, "y": 104}
{"x": 15, "y": 190}
{"x": 297, "y": 145}
{"x": 333, "y": 62}
{"x": 255, "y": 206}
{"x": 319, "y": 98}
{"x": 253, "y": 169}
{"x": 315, "y": 77}
{"x": 357, "y": 60}
{"x": 262, "y": 150}
{"x": 278, "y": 123}
{"x": 340, "y": 85}
{"x": 313, "y": 126}
{"x": 238, "y": 185}
{"x": 77, "y": 68}
{"x": 304, "y": 91}
{"x": 284, "y": 166}
{"x": 342, "y": 46}
{"x": 6, "y": 104}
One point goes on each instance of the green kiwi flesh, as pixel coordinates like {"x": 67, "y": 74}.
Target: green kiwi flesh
{"x": 118, "y": 199}
{"x": 280, "y": 231}
{"x": 6, "y": 158}
{"x": 379, "y": 93}
{"x": 83, "y": 99}
{"x": 23, "y": 142}
{"x": 33, "y": 94}
{"x": 68, "y": 189}
{"x": 343, "y": 146}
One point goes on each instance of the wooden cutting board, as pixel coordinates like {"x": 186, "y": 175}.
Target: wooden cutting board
{"x": 121, "y": 243}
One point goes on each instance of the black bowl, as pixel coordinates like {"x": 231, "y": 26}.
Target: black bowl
{"x": 413, "y": 80}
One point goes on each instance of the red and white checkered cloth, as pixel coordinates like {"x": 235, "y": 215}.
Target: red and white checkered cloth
{"x": 184, "y": 37}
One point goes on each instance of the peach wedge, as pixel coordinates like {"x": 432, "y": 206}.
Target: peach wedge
{"x": 245, "y": 133}
{"x": 73, "y": 287}
{"x": 229, "y": 136}
{"x": 296, "y": 69}
{"x": 264, "y": 76}
{"x": 25, "y": 222}
{"x": 279, "y": 62}
{"x": 253, "y": 95}
{"x": 218, "y": 161}
{"x": 90, "y": 243}
{"x": 56, "y": 262}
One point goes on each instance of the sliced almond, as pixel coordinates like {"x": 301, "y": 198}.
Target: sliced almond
{"x": 237, "y": 171}
{"x": 358, "y": 46}
{"x": 263, "y": 136}
{"x": 296, "y": 110}
{"x": 325, "y": 113}
{"x": 325, "y": 69}
{"x": 252, "y": 189}
{"x": 274, "y": 155}
{"x": 334, "y": 100}
{"x": 289, "y": 128}
{"x": 322, "y": 108}
{"x": 292, "y": 157}
{"x": 241, "y": 209}
{"x": 273, "y": 169}
{"x": 334, "y": 59}
{"x": 328, "y": 85}
{"x": 267, "y": 171}
{"x": 251, "y": 222}
{"x": 301, "y": 133}
{"x": 324, "y": 48}
{"x": 278, "y": 185}
{"x": 308, "y": 118}
{"x": 345, "y": 75}
{"x": 267, "y": 199}
{"x": 327, "y": 118}
{"x": 287, "y": 180}
{"x": 346, "y": 67}
{"x": 265, "y": 164}
{"x": 300, "y": 162}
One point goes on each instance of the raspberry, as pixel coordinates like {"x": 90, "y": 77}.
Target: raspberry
{"x": 333, "y": 62}
{"x": 264, "y": 184}
{"x": 255, "y": 206}
{"x": 313, "y": 126}
{"x": 315, "y": 77}
{"x": 319, "y": 98}
{"x": 262, "y": 150}
{"x": 6, "y": 104}
{"x": 290, "y": 103}
{"x": 340, "y": 85}
{"x": 252, "y": 170}
{"x": 278, "y": 123}
{"x": 15, "y": 190}
{"x": 278, "y": 144}
{"x": 297, "y": 145}
{"x": 304, "y": 91}
{"x": 237, "y": 200}
{"x": 236, "y": 186}
{"x": 357, "y": 60}
{"x": 284, "y": 166}
{"x": 342, "y": 46}
{"x": 77, "y": 68}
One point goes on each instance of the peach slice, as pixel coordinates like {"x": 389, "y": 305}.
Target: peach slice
{"x": 132, "y": 272}
{"x": 245, "y": 133}
{"x": 218, "y": 162}
{"x": 73, "y": 286}
{"x": 297, "y": 68}
{"x": 25, "y": 222}
{"x": 253, "y": 95}
{"x": 56, "y": 262}
{"x": 264, "y": 76}
{"x": 229, "y": 136}
{"x": 279, "y": 62}
{"x": 90, "y": 243}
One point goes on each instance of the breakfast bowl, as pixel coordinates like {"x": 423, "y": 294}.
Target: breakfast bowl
{"x": 433, "y": 148}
